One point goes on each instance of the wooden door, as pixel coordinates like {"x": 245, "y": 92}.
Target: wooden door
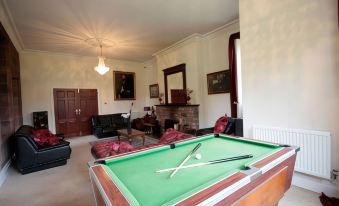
{"x": 88, "y": 106}
{"x": 73, "y": 110}
{"x": 66, "y": 112}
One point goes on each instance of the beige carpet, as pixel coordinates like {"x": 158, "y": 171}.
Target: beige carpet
{"x": 70, "y": 184}
{"x": 64, "y": 185}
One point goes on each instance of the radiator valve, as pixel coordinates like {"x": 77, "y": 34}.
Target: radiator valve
{"x": 334, "y": 174}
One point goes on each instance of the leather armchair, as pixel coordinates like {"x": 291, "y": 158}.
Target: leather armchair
{"x": 30, "y": 157}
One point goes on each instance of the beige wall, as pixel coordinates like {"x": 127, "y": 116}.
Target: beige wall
{"x": 151, "y": 78}
{"x": 215, "y": 55}
{"x": 290, "y": 65}
{"x": 202, "y": 54}
{"x": 187, "y": 52}
{"x": 41, "y": 72}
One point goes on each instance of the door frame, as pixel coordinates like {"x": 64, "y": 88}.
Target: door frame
{"x": 78, "y": 105}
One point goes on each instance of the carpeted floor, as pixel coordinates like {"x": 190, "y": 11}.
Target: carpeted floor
{"x": 64, "y": 185}
{"x": 70, "y": 184}
{"x": 136, "y": 142}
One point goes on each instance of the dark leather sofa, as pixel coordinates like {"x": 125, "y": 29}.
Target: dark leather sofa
{"x": 234, "y": 127}
{"x": 107, "y": 125}
{"x": 29, "y": 157}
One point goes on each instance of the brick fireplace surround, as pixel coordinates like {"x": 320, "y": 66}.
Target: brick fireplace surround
{"x": 189, "y": 114}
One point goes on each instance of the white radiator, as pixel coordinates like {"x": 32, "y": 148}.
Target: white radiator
{"x": 314, "y": 157}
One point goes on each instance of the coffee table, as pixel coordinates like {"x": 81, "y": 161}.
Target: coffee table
{"x": 130, "y": 136}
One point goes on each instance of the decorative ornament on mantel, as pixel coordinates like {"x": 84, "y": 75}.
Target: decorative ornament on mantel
{"x": 101, "y": 68}
{"x": 188, "y": 94}
{"x": 161, "y": 95}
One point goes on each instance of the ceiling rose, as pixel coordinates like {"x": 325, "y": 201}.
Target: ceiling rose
{"x": 97, "y": 42}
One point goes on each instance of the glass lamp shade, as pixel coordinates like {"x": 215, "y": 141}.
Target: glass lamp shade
{"x": 146, "y": 109}
{"x": 101, "y": 68}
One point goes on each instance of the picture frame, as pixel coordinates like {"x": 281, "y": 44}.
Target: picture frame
{"x": 218, "y": 82}
{"x": 154, "y": 90}
{"x": 124, "y": 85}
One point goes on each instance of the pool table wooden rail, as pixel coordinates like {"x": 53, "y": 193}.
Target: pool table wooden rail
{"x": 265, "y": 181}
{"x": 105, "y": 191}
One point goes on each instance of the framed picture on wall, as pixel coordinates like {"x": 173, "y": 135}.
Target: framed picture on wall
{"x": 218, "y": 82}
{"x": 154, "y": 90}
{"x": 124, "y": 85}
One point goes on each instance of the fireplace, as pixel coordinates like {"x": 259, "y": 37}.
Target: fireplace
{"x": 170, "y": 123}
{"x": 187, "y": 116}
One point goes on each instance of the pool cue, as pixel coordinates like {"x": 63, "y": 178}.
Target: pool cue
{"x": 208, "y": 163}
{"x": 185, "y": 160}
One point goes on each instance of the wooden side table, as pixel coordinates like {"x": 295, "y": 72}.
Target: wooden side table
{"x": 135, "y": 133}
{"x": 150, "y": 126}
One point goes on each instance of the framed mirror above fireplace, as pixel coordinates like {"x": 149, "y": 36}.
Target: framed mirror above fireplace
{"x": 175, "y": 84}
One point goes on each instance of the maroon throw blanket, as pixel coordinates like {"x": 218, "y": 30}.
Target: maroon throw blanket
{"x": 171, "y": 135}
{"x": 111, "y": 148}
{"x": 43, "y": 137}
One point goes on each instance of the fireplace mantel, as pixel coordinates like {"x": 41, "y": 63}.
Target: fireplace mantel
{"x": 177, "y": 105}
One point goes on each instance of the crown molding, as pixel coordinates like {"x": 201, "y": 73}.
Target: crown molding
{"x": 27, "y": 51}
{"x": 11, "y": 25}
{"x": 56, "y": 53}
{"x": 221, "y": 28}
{"x": 192, "y": 38}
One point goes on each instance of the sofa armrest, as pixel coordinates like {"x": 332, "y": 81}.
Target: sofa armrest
{"x": 25, "y": 152}
{"x": 61, "y": 136}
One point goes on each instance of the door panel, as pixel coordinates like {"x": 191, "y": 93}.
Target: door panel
{"x": 60, "y": 116}
{"x": 65, "y": 103}
{"x": 72, "y": 118}
{"x": 74, "y": 109}
{"x": 88, "y": 105}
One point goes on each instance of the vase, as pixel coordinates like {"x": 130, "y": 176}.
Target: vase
{"x": 188, "y": 98}
{"x": 129, "y": 127}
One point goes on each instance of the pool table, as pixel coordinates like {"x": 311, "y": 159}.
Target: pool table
{"x": 130, "y": 178}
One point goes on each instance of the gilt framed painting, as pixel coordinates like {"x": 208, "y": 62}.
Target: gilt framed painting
{"x": 218, "y": 82}
{"x": 124, "y": 85}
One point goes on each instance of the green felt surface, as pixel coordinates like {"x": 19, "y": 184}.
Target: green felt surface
{"x": 136, "y": 176}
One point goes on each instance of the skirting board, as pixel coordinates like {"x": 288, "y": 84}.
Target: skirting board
{"x": 315, "y": 184}
{"x": 4, "y": 172}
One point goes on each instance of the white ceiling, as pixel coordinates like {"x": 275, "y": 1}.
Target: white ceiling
{"x": 135, "y": 29}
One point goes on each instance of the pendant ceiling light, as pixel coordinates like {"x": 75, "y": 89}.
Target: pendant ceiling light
{"x": 101, "y": 68}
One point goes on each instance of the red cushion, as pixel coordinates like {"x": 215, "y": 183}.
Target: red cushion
{"x": 43, "y": 137}
{"x": 171, "y": 135}
{"x": 221, "y": 124}
{"x": 111, "y": 148}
